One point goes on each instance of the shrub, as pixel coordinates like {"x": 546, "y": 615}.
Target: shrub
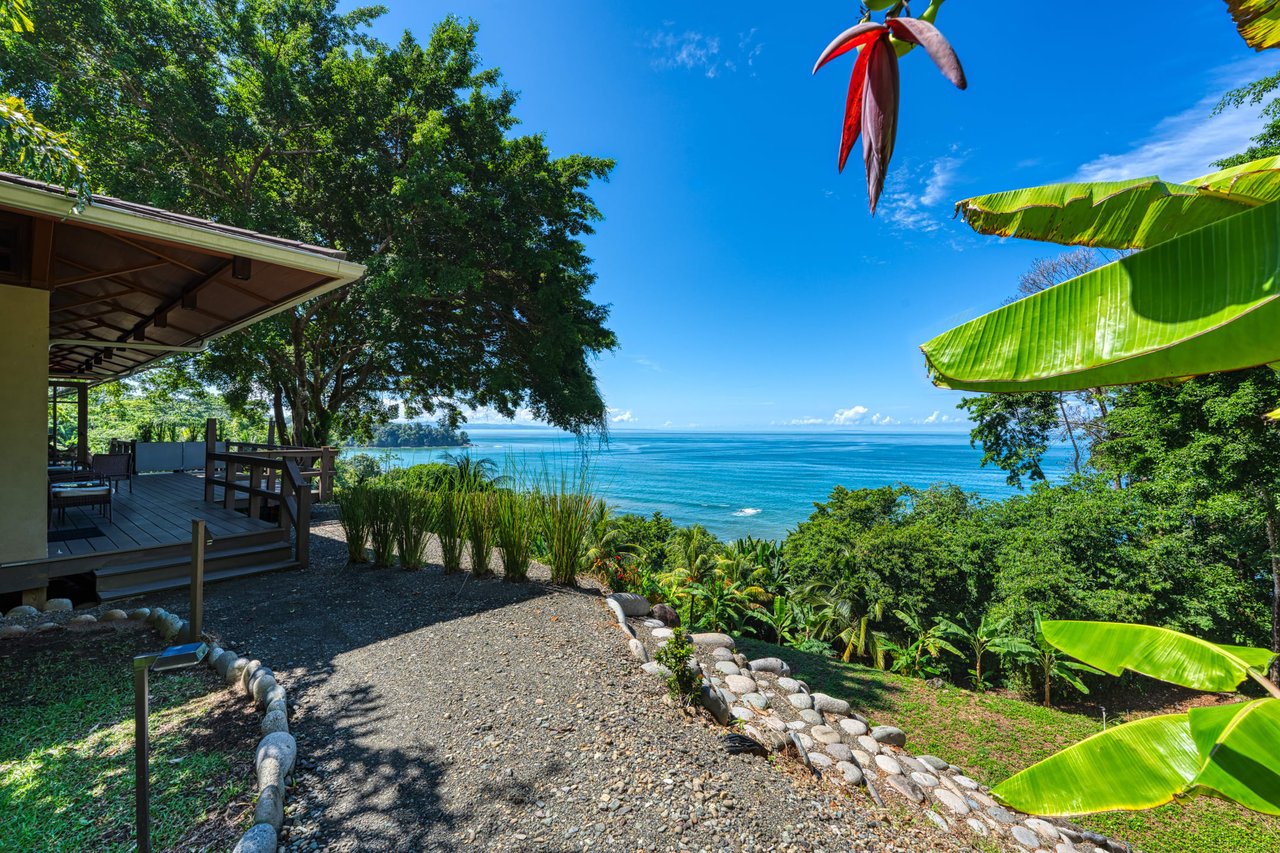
{"x": 684, "y": 683}
{"x": 451, "y": 528}
{"x": 354, "y": 513}
{"x": 480, "y": 531}
{"x": 414, "y": 517}
{"x": 355, "y": 470}
{"x": 514, "y": 517}
{"x": 382, "y": 524}
{"x": 565, "y": 519}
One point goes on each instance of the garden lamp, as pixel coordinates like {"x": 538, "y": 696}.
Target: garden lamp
{"x": 172, "y": 658}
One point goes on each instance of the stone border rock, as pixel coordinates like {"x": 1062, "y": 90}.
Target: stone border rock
{"x": 840, "y": 746}
{"x": 277, "y": 751}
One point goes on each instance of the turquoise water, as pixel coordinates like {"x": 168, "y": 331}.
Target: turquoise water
{"x": 737, "y": 483}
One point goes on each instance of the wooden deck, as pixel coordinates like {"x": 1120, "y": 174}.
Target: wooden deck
{"x": 159, "y": 512}
{"x": 146, "y": 544}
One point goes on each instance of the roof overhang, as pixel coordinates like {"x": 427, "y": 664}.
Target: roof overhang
{"x": 130, "y": 284}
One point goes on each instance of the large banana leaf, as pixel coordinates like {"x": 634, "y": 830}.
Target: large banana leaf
{"x": 1237, "y": 748}
{"x": 1138, "y": 765}
{"x": 1258, "y": 21}
{"x": 1158, "y": 652}
{"x": 1200, "y": 303}
{"x": 1133, "y": 214}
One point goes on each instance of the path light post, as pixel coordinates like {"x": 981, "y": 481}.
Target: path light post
{"x": 172, "y": 658}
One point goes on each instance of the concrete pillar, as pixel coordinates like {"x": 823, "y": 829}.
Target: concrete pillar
{"x": 24, "y": 371}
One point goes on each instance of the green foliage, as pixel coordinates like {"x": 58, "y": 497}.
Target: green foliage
{"x": 566, "y": 511}
{"x": 356, "y": 469}
{"x": 29, "y": 148}
{"x": 451, "y": 520}
{"x": 684, "y": 682}
{"x": 1014, "y": 431}
{"x": 415, "y": 512}
{"x": 355, "y": 513}
{"x": 162, "y": 405}
{"x": 480, "y": 531}
{"x": 992, "y": 635}
{"x": 383, "y": 523}
{"x": 515, "y": 518}
{"x": 918, "y": 656}
{"x": 418, "y": 434}
{"x": 294, "y": 120}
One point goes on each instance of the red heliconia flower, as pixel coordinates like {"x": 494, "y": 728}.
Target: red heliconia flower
{"x": 872, "y": 106}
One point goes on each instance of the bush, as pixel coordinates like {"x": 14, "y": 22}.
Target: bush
{"x": 480, "y": 531}
{"x": 451, "y": 528}
{"x": 415, "y": 517}
{"x": 514, "y": 516}
{"x": 565, "y": 521}
{"x": 355, "y": 470}
{"x": 382, "y": 524}
{"x": 683, "y": 683}
{"x": 354, "y": 511}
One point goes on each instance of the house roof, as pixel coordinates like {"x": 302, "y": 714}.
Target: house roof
{"x": 131, "y": 283}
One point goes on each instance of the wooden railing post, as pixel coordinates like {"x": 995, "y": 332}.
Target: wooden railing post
{"x": 303, "y": 531}
{"x": 255, "y": 500}
{"x": 196, "y": 618}
{"x": 210, "y": 447}
{"x": 229, "y": 490}
{"x": 327, "y": 457}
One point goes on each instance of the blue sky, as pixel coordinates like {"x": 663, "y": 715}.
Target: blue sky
{"x": 749, "y": 286}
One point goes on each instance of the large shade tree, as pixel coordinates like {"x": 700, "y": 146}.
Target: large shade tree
{"x": 286, "y": 117}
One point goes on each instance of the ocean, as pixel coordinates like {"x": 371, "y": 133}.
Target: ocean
{"x": 735, "y": 483}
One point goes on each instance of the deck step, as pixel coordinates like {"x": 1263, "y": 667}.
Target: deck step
{"x": 182, "y": 557}
{"x": 179, "y": 582}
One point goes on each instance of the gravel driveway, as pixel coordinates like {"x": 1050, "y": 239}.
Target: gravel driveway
{"x": 444, "y": 713}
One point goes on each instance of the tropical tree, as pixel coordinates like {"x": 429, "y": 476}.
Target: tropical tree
{"x": 846, "y": 619}
{"x": 925, "y": 645}
{"x": 992, "y": 635}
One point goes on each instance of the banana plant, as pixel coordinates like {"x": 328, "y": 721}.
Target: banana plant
{"x": 871, "y": 108}
{"x": 1258, "y": 21}
{"x": 1229, "y": 751}
{"x": 780, "y": 618}
{"x": 1051, "y": 665}
{"x": 917, "y": 659}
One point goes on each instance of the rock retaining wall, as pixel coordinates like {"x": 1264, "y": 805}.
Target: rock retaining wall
{"x": 277, "y": 751}
{"x": 840, "y": 745}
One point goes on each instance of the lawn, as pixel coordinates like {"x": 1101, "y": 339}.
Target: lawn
{"x": 66, "y": 748}
{"x": 993, "y": 736}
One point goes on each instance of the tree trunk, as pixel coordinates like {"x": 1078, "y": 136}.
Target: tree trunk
{"x": 277, "y": 404}
{"x": 1071, "y": 434}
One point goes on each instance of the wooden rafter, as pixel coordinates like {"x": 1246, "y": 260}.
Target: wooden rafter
{"x": 101, "y": 274}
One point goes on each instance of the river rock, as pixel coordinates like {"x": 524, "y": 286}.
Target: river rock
{"x": 631, "y": 604}
{"x": 817, "y": 759}
{"x": 887, "y": 764}
{"x": 722, "y": 654}
{"x": 222, "y": 663}
{"x": 261, "y": 838}
{"x": 741, "y": 713}
{"x": 829, "y": 704}
{"x": 1025, "y": 837}
{"x": 790, "y": 685}
{"x": 799, "y": 700}
{"x": 934, "y": 761}
{"x": 714, "y": 700}
{"x": 114, "y": 615}
{"x": 637, "y": 650}
{"x": 655, "y": 668}
{"x": 57, "y": 605}
{"x": 8, "y": 632}
{"x": 274, "y": 721}
{"x": 889, "y": 735}
{"x": 140, "y": 614}
{"x": 850, "y": 771}
{"x": 45, "y": 626}
{"x": 757, "y": 701}
{"x": 825, "y": 734}
{"x": 1002, "y": 815}
{"x": 666, "y": 613}
{"x": 662, "y": 633}
{"x": 951, "y": 801}
{"x": 777, "y": 666}
{"x": 978, "y": 827}
{"x": 966, "y": 782}
{"x": 1047, "y": 831}
{"x": 616, "y": 609}
{"x": 270, "y": 808}
{"x": 261, "y": 684}
{"x": 82, "y": 619}
{"x": 924, "y": 780}
{"x": 725, "y": 667}
{"x": 912, "y": 765}
{"x": 711, "y": 640}
{"x": 839, "y": 751}
{"x": 811, "y": 716}
{"x": 906, "y": 788}
{"x": 22, "y": 610}
{"x": 938, "y": 820}
{"x": 740, "y": 684}
{"x": 868, "y": 743}
{"x": 853, "y": 728}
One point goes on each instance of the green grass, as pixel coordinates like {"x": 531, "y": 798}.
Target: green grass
{"x": 993, "y": 737}
{"x": 66, "y": 748}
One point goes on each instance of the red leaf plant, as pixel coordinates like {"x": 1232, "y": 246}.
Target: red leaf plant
{"x": 872, "y": 106}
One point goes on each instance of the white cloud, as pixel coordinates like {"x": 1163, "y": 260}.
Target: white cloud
{"x": 694, "y": 51}
{"x": 883, "y": 420}
{"x": 649, "y": 363}
{"x": 805, "y": 421}
{"x": 618, "y": 416}
{"x": 490, "y": 416}
{"x": 1185, "y": 145}
{"x": 919, "y": 199}
{"x": 851, "y": 415}
{"x": 939, "y": 418}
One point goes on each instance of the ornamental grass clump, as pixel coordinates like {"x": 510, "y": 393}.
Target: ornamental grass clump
{"x": 565, "y": 519}
{"x": 514, "y": 518}
{"x": 451, "y": 528}
{"x": 354, "y": 513}
{"x": 414, "y": 518}
{"x": 382, "y": 524}
{"x": 480, "y": 533}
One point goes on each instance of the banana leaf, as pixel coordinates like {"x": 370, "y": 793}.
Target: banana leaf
{"x": 1157, "y": 652}
{"x": 1258, "y": 21}
{"x": 1133, "y": 214}
{"x": 1138, "y": 765}
{"x": 1200, "y": 303}
{"x": 1237, "y": 748}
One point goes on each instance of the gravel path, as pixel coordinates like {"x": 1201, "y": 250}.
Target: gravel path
{"x": 438, "y": 713}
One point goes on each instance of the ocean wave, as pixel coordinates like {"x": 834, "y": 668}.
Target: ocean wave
{"x": 747, "y": 510}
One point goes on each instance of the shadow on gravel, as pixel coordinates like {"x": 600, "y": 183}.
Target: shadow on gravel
{"x": 376, "y": 796}
{"x": 864, "y": 689}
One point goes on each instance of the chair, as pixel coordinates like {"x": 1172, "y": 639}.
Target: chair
{"x": 113, "y": 467}
{"x": 94, "y": 491}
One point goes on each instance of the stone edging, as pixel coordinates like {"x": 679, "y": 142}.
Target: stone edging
{"x": 858, "y": 753}
{"x": 276, "y": 752}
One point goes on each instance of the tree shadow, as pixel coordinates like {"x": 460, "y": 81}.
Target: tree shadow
{"x": 864, "y": 689}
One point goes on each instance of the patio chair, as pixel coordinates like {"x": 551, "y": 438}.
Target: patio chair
{"x": 113, "y": 467}
{"x": 94, "y": 491}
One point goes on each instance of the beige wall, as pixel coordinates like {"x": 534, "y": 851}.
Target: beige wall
{"x": 24, "y": 368}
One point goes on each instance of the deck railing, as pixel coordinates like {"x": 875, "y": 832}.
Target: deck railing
{"x": 267, "y": 475}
